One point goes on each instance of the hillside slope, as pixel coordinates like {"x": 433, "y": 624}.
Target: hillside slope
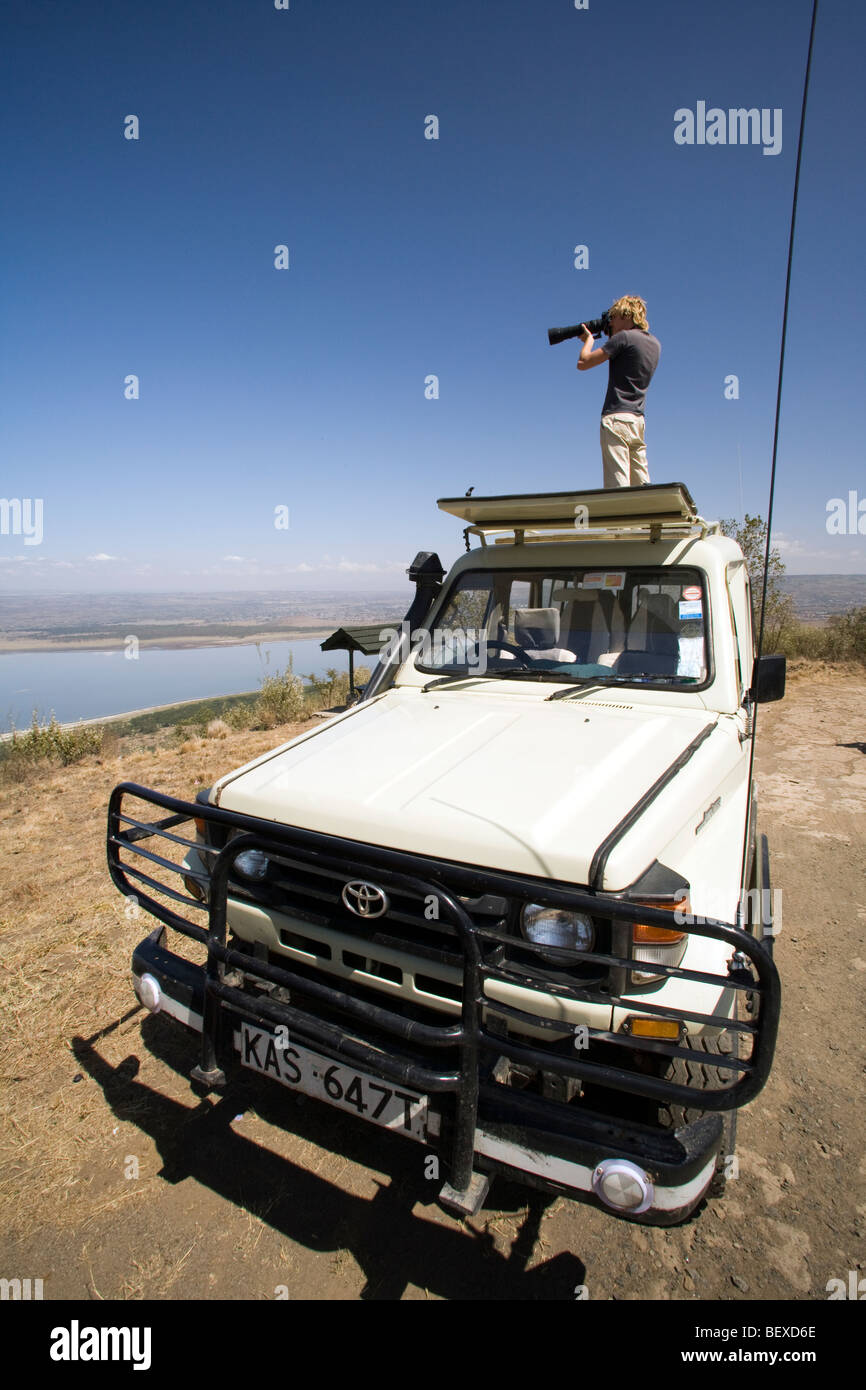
{"x": 236, "y": 1196}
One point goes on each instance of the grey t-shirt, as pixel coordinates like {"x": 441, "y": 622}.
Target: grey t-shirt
{"x": 633, "y": 357}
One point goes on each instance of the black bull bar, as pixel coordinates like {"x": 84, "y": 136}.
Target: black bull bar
{"x": 465, "y": 1044}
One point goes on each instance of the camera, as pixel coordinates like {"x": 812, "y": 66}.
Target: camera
{"x": 595, "y": 326}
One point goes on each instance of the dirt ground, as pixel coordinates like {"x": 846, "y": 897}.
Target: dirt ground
{"x": 261, "y": 1194}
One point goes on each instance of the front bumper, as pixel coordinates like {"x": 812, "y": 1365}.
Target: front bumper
{"x": 542, "y": 1143}
{"x": 479, "y": 1123}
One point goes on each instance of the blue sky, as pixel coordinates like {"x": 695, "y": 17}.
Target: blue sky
{"x": 408, "y": 257}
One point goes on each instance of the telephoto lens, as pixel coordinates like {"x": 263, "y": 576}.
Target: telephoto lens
{"x": 595, "y": 326}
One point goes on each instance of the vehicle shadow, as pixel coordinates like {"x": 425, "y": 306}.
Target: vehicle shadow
{"x": 394, "y": 1245}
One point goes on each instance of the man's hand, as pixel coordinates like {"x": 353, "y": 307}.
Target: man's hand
{"x": 589, "y": 358}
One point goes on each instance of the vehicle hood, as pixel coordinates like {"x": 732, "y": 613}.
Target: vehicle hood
{"x": 510, "y": 782}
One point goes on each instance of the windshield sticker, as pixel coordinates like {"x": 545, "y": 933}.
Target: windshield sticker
{"x": 603, "y": 579}
{"x": 691, "y": 659}
{"x": 692, "y": 591}
{"x": 690, "y": 608}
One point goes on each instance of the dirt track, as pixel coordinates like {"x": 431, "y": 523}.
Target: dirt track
{"x": 259, "y": 1190}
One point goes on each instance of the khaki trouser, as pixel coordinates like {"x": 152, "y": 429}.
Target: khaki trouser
{"x": 623, "y": 450}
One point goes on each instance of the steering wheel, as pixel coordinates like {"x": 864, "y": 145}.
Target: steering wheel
{"x": 517, "y": 652}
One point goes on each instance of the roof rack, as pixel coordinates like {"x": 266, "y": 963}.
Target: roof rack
{"x": 657, "y": 509}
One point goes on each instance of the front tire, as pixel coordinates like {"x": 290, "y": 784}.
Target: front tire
{"x": 705, "y": 1077}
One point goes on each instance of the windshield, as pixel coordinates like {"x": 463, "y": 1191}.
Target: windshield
{"x": 632, "y": 626}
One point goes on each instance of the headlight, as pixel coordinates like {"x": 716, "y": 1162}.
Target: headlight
{"x": 252, "y": 863}
{"x": 557, "y": 929}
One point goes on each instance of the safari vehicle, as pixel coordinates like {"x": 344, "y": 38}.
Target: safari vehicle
{"x": 512, "y": 904}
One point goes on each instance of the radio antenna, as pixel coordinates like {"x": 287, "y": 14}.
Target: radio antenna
{"x": 776, "y": 440}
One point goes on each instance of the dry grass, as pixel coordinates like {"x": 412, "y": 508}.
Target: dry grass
{"x": 66, "y": 938}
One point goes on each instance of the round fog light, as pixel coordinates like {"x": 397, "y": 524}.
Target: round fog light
{"x": 149, "y": 993}
{"x": 622, "y": 1186}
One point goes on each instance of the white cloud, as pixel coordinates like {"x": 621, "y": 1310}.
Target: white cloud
{"x": 102, "y": 557}
{"x": 791, "y": 549}
{"x": 327, "y": 565}
{"x": 355, "y": 566}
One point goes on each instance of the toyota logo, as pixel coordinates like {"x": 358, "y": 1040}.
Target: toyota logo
{"x": 364, "y": 899}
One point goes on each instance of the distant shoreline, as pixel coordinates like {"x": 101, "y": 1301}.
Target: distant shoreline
{"x": 133, "y": 716}
{"x": 10, "y": 646}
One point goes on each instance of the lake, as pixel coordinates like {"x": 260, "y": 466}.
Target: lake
{"x": 89, "y": 685}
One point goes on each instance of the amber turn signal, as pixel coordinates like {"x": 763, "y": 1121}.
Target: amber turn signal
{"x": 646, "y": 934}
{"x": 654, "y": 1027}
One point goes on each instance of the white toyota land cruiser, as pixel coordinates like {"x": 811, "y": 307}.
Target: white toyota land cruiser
{"x": 513, "y": 903}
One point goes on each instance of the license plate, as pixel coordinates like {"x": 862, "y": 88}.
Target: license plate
{"x": 302, "y": 1070}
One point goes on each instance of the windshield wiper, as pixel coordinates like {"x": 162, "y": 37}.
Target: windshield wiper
{"x": 520, "y": 674}
{"x": 577, "y": 681}
{"x": 524, "y": 673}
{"x": 631, "y": 677}
{"x": 641, "y": 676}
{"x": 445, "y": 680}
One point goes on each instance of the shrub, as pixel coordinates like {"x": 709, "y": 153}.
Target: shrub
{"x": 333, "y": 688}
{"x": 240, "y": 716}
{"x": 847, "y": 636}
{"x": 50, "y": 741}
{"x": 281, "y": 700}
{"x": 842, "y": 639}
{"x": 805, "y": 640}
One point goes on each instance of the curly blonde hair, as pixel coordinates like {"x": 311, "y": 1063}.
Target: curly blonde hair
{"x": 631, "y": 307}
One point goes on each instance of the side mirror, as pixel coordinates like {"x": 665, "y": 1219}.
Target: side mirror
{"x": 768, "y": 679}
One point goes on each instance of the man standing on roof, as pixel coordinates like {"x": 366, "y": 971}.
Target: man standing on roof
{"x": 632, "y": 354}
